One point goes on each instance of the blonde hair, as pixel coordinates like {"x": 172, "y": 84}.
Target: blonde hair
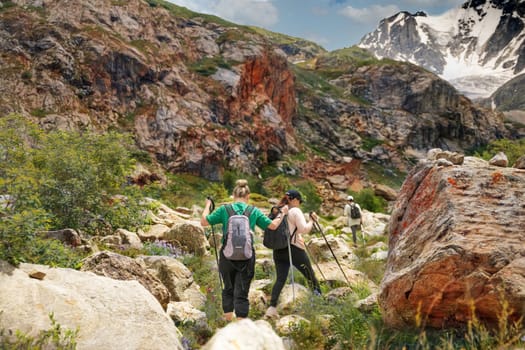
{"x": 241, "y": 189}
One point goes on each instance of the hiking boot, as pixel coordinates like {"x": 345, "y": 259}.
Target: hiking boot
{"x": 271, "y": 313}
{"x": 317, "y": 292}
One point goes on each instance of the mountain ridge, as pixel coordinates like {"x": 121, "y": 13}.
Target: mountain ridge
{"x": 205, "y": 96}
{"x": 480, "y": 40}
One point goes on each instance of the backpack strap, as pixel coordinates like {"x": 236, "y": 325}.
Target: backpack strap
{"x": 229, "y": 209}
{"x": 248, "y": 211}
{"x": 292, "y": 236}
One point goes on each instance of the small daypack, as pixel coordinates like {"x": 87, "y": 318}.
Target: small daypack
{"x": 355, "y": 213}
{"x": 278, "y": 238}
{"x": 238, "y": 244}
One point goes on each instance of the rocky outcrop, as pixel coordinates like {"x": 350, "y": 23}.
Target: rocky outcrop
{"x": 456, "y": 246}
{"x": 109, "y": 314}
{"x": 406, "y": 108}
{"x": 197, "y": 95}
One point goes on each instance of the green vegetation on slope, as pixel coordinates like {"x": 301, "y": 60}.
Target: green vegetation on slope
{"x": 61, "y": 180}
{"x": 512, "y": 148}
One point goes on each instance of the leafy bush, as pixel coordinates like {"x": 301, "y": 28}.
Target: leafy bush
{"x": 79, "y": 174}
{"x": 60, "y": 180}
{"x": 217, "y": 191}
{"x": 512, "y": 148}
{"x": 369, "y": 201}
{"x": 279, "y": 185}
{"x": 311, "y": 200}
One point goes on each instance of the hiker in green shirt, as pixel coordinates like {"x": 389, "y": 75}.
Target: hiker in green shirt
{"x": 237, "y": 274}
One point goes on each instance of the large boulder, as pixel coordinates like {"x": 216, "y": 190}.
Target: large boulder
{"x": 121, "y": 267}
{"x": 456, "y": 246}
{"x": 176, "y": 277}
{"x": 109, "y": 314}
{"x": 246, "y": 334}
{"x": 189, "y": 237}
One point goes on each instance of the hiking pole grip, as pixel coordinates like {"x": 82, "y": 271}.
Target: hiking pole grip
{"x": 212, "y": 205}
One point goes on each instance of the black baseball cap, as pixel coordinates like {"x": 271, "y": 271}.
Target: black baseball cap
{"x": 292, "y": 194}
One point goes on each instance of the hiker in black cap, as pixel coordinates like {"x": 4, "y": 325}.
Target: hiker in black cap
{"x": 298, "y": 226}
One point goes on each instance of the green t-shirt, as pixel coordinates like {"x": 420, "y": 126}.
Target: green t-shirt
{"x": 220, "y": 216}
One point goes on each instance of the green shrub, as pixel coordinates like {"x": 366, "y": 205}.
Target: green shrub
{"x": 26, "y": 75}
{"x": 54, "y": 338}
{"x": 60, "y": 180}
{"x": 512, "y": 148}
{"x": 279, "y": 185}
{"x": 80, "y": 174}
{"x": 217, "y": 191}
{"x": 367, "y": 199}
{"x": 207, "y": 66}
{"x": 311, "y": 200}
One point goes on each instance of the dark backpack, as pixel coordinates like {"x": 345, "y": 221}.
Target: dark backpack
{"x": 355, "y": 213}
{"x": 239, "y": 241}
{"x": 278, "y": 238}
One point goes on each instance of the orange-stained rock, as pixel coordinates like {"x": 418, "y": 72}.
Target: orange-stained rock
{"x": 456, "y": 246}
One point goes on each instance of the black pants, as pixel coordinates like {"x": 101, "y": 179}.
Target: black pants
{"x": 237, "y": 277}
{"x": 282, "y": 266}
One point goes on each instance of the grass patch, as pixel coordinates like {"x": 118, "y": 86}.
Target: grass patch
{"x": 54, "y": 338}
{"x": 369, "y": 143}
{"x": 39, "y": 112}
{"x": 312, "y": 80}
{"x": 208, "y": 66}
{"x": 6, "y": 5}
{"x": 387, "y": 176}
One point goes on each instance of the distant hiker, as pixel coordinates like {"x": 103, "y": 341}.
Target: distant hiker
{"x": 237, "y": 274}
{"x": 298, "y": 226}
{"x": 353, "y": 212}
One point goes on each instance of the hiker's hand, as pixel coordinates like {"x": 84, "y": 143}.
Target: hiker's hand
{"x": 284, "y": 210}
{"x": 209, "y": 206}
{"x": 313, "y": 216}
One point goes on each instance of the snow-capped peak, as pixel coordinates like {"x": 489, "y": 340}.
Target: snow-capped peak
{"x": 477, "y": 47}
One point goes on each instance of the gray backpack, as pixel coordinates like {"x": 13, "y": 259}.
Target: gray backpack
{"x": 239, "y": 241}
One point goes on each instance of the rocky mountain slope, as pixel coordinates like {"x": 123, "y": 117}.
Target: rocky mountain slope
{"x": 203, "y": 95}
{"x": 477, "y": 47}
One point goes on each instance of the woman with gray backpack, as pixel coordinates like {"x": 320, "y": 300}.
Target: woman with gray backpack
{"x": 237, "y": 256}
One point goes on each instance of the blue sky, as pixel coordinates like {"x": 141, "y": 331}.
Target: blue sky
{"x": 333, "y": 24}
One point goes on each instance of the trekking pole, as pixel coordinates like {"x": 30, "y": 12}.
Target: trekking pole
{"x": 212, "y": 208}
{"x": 290, "y": 257}
{"x": 315, "y": 262}
{"x": 318, "y": 228}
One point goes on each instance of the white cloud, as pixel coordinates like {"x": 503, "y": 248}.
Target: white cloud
{"x": 372, "y": 14}
{"x": 254, "y": 12}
